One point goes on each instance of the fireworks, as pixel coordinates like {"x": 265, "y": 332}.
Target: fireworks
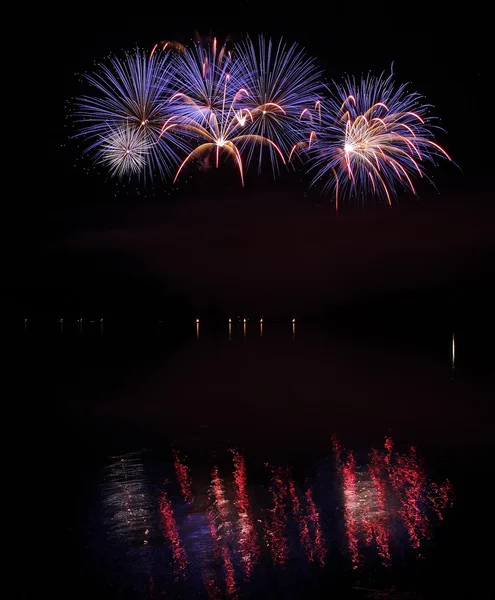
{"x": 123, "y": 150}
{"x": 205, "y": 81}
{"x": 282, "y": 82}
{"x": 212, "y": 111}
{"x": 156, "y": 112}
{"x": 127, "y": 123}
{"x": 373, "y": 139}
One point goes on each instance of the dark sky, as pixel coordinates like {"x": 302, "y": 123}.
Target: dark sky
{"x": 215, "y": 245}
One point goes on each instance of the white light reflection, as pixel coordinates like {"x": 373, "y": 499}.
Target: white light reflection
{"x": 126, "y": 502}
{"x": 453, "y": 355}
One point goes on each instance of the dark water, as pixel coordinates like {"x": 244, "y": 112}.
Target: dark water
{"x": 282, "y": 460}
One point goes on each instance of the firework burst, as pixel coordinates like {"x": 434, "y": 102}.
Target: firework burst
{"x": 123, "y": 150}
{"x": 205, "y": 80}
{"x": 209, "y": 105}
{"x": 282, "y": 82}
{"x": 127, "y": 123}
{"x": 373, "y": 140}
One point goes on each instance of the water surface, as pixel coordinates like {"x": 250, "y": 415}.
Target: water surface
{"x": 264, "y": 459}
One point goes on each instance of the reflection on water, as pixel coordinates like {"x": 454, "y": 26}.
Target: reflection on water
{"x": 168, "y": 529}
{"x": 244, "y": 494}
{"x": 126, "y": 503}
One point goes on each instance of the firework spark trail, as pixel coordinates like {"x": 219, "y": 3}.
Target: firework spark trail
{"x": 282, "y": 80}
{"x": 320, "y": 550}
{"x": 440, "y": 497}
{"x": 127, "y": 123}
{"x": 230, "y": 584}
{"x": 199, "y": 78}
{"x": 381, "y": 531}
{"x": 308, "y": 519}
{"x": 211, "y": 89}
{"x": 123, "y": 150}
{"x": 374, "y": 138}
{"x": 309, "y": 135}
{"x": 220, "y": 527}
{"x": 368, "y": 137}
{"x": 337, "y": 450}
{"x": 171, "y": 533}
{"x": 389, "y": 446}
{"x": 218, "y": 495}
{"x": 302, "y": 520}
{"x": 167, "y": 45}
{"x": 350, "y": 502}
{"x": 365, "y": 516}
{"x": 212, "y": 526}
{"x": 275, "y": 528}
{"x": 183, "y": 475}
{"x": 248, "y": 540}
{"x": 409, "y": 482}
{"x": 209, "y": 579}
{"x": 367, "y": 495}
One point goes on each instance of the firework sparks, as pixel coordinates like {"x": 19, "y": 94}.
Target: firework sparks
{"x": 308, "y": 519}
{"x": 303, "y": 522}
{"x": 374, "y": 139}
{"x": 210, "y": 109}
{"x": 218, "y": 515}
{"x": 248, "y": 543}
{"x": 183, "y": 477}
{"x": 441, "y": 496}
{"x": 388, "y": 493}
{"x": 171, "y": 533}
{"x": 351, "y": 502}
{"x": 123, "y": 150}
{"x": 155, "y": 112}
{"x": 275, "y": 529}
{"x": 320, "y": 550}
{"x": 127, "y": 124}
{"x": 282, "y": 81}
{"x": 409, "y": 482}
{"x": 381, "y": 531}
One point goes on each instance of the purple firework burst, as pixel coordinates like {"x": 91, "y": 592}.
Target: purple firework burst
{"x": 283, "y": 82}
{"x": 371, "y": 138}
{"x": 130, "y": 109}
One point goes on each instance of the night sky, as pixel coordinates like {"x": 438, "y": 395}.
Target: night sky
{"x": 80, "y": 244}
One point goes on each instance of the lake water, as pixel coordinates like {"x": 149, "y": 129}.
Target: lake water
{"x": 263, "y": 460}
